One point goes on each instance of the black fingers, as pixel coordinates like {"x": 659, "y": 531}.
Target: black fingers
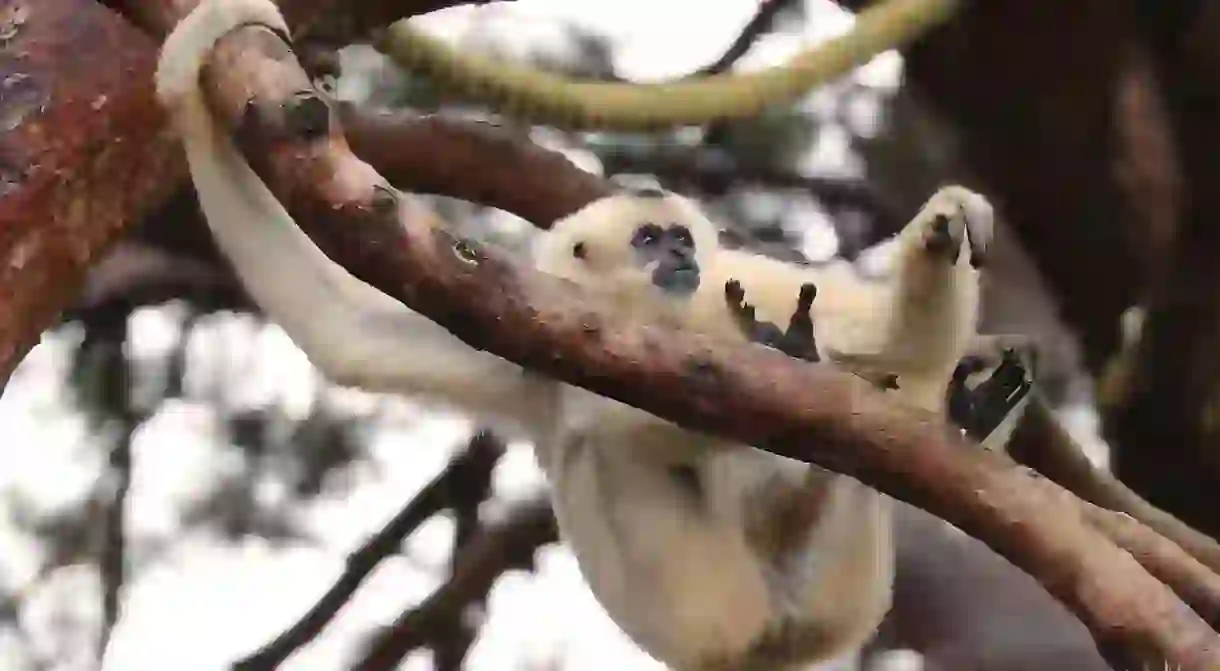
{"x": 797, "y": 342}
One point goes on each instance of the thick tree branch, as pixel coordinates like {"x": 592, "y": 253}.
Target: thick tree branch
{"x": 84, "y": 154}
{"x": 749, "y": 394}
{"x": 525, "y": 179}
{"x": 81, "y": 155}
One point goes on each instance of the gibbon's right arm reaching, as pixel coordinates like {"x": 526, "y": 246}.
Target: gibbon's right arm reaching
{"x": 352, "y": 332}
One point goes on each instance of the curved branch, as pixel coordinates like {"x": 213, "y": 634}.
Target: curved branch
{"x": 532, "y": 182}
{"x": 748, "y": 394}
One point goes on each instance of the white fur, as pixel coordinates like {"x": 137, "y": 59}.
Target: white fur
{"x": 351, "y": 331}
{"x": 696, "y": 578}
{"x": 657, "y": 583}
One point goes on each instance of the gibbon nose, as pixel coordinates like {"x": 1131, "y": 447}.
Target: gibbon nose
{"x": 681, "y": 255}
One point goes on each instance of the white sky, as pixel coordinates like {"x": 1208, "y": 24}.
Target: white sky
{"x": 206, "y": 603}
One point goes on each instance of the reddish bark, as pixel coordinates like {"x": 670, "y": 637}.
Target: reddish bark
{"x": 81, "y": 154}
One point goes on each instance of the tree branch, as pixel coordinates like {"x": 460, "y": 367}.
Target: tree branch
{"x": 1041, "y": 443}
{"x": 748, "y": 394}
{"x": 525, "y": 179}
{"x": 507, "y": 544}
{"x": 479, "y": 457}
{"x": 1198, "y": 586}
{"x": 758, "y": 25}
{"x": 81, "y": 155}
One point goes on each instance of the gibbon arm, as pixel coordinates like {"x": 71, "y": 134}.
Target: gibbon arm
{"x": 352, "y": 332}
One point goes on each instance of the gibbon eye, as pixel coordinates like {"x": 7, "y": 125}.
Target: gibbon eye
{"x": 682, "y": 234}
{"x": 579, "y": 251}
{"x": 646, "y": 235}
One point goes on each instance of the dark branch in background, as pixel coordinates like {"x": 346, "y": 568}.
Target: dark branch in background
{"x": 758, "y": 25}
{"x": 743, "y": 393}
{"x": 345, "y": 20}
{"x": 115, "y": 377}
{"x": 507, "y": 544}
{"x": 114, "y": 551}
{"x": 541, "y": 185}
{"x": 103, "y": 385}
{"x": 454, "y": 637}
{"x": 530, "y": 181}
{"x": 715, "y": 134}
{"x": 473, "y": 466}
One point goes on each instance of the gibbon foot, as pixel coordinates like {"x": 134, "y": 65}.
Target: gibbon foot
{"x": 797, "y": 341}
{"x": 953, "y": 216}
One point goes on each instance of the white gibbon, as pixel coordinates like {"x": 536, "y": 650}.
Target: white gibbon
{"x": 709, "y": 554}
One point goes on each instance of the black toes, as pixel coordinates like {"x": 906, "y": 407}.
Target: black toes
{"x": 733, "y": 291}
{"x": 978, "y": 253}
{"x": 941, "y": 239}
{"x": 805, "y": 300}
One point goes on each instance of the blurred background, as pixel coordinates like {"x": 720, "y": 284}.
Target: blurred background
{"x": 180, "y": 489}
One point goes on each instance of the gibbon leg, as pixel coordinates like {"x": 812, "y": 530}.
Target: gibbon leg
{"x": 933, "y": 309}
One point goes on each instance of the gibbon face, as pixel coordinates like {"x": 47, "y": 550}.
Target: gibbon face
{"x": 642, "y": 242}
{"x": 667, "y": 252}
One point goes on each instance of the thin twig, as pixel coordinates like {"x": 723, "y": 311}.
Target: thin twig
{"x": 758, "y": 25}
{"x": 114, "y": 551}
{"x": 474, "y": 462}
{"x": 108, "y": 403}
{"x": 454, "y": 638}
{"x": 508, "y": 544}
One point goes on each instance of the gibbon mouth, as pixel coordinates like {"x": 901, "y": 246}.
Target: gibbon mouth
{"x": 682, "y": 280}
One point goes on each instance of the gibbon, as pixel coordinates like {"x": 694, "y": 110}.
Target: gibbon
{"x": 709, "y": 554}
